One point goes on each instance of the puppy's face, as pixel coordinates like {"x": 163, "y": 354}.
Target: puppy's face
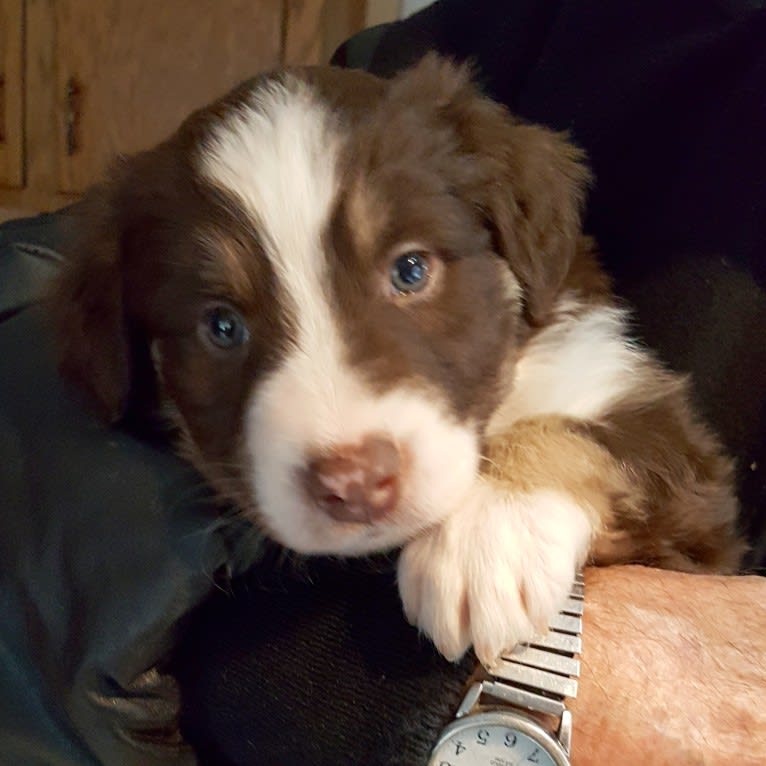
{"x": 329, "y": 274}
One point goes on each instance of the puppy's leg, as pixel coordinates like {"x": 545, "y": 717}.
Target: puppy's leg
{"x": 641, "y": 484}
{"x": 495, "y": 571}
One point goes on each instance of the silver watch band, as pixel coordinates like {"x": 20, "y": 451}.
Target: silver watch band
{"x": 541, "y": 675}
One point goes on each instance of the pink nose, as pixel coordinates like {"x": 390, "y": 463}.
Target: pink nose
{"x": 356, "y": 483}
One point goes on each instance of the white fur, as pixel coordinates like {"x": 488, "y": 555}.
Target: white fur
{"x": 577, "y": 367}
{"x": 462, "y": 582}
{"x": 278, "y": 154}
{"x": 279, "y": 157}
{"x": 295, "y": 411}
{"x": 470, "y": 543}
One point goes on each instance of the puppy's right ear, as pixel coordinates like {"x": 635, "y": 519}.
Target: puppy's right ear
{"x": 88, "y": 304}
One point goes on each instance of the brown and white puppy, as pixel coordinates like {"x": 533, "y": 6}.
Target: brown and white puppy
{"x": 374, "y": 319}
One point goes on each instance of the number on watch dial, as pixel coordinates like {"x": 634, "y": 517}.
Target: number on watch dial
{"x": 492, "y": 745}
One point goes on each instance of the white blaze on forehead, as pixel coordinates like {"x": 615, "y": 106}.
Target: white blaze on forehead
{"x": 278, "y": 155}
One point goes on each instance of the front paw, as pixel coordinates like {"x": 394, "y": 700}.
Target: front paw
{"x": 494, "y": 572}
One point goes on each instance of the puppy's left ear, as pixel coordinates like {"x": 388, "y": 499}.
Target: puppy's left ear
{"x": 528, "y": 181}
{"x": 533, "y": 203}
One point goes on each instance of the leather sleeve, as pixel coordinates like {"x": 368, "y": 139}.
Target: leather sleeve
{"x": 106, "y": 542}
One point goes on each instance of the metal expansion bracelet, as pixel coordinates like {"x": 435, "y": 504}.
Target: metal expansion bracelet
{"x": 540, "y": 675}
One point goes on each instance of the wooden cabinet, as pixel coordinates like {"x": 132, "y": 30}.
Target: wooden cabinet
{"x": 11, "y": 157}
{"x": 129, "y": 70}
{"x": 84, "y": 80}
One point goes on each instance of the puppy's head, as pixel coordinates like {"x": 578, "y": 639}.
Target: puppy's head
{"x": 327, "y": 275}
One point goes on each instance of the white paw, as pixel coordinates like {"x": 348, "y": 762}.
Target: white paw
{"x": 494, "y": 572}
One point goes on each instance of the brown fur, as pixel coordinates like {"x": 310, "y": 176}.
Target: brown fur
{"x": 428, "y": 154}
{"x": 655, "y": 485}
{"x": 553, "y": 453}
{"x": 682, "y": 513}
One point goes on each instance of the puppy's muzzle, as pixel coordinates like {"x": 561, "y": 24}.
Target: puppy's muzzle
{"x": 356, "y": 483}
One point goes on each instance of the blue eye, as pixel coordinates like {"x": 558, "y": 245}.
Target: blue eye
{"x": 225, "y": 328}
{"x": 409, "y": 272}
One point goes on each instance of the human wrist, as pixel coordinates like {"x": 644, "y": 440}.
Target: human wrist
{"x": 673, "y": 669}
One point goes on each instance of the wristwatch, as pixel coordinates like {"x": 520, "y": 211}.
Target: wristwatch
{"x": 503, "y": 719}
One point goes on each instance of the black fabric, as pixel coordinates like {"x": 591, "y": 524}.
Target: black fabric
{"x": 317, "y": 667}
{"x": 105, "y": 542}
{"x": 668, "y": 100}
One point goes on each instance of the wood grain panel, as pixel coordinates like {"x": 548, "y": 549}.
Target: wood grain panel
{"x": 128, "y": 71}
{"x": 40, "y": 129}
{"x": 11, "y": 92}
{"x": 315, "y": 28}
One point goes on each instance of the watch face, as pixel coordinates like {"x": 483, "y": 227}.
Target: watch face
{"x": 497, "y": 739}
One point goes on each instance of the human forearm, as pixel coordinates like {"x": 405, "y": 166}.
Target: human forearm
{"x": 674, "y": 670}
